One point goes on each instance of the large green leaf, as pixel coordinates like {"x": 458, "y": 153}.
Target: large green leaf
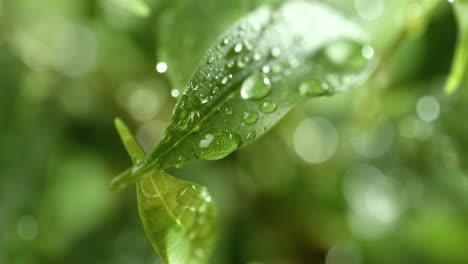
{"x": 186, "y": 30}
{"x": 460, "y": 62}
{"x": 178, "y": 216}
{"x": 256, "y": 72}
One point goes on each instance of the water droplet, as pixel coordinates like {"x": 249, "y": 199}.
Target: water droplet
{"x": 216, "y": 145}
{"x": 204, "y": 100}
{"x": 208, "y": 77}
{"x": 250, "y": 117}
{"x": 225, "y": 80}
{"x": 225, "y": 42}
{"x": 228, "y": 110}
{"x": 238, "y": 47}
{"x": 187, "y": 195}
{"x": 230, "y": 64}
{"x": 215, "y": 90}
{"x": 255, "y": 87}
{"x": 240, "y": 64}
{"x": 268, "y": 107}
{"x": 251, "y": 135}
{"x": 206, "y": 141}
{"x": 275, "y": 52}
{"x": 210, "y": 60}
{"x": 314, "y": 88}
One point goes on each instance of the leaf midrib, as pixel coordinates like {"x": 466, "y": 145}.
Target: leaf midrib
{"x": 243, "y": 74}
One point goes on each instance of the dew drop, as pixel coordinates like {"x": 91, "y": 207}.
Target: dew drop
{"x": 210, "y": 60}
{"x": 314, "y": 88}
{"x": 268, "y": 107}
{"x": 257, "y": 56}
{"x": 204, "y": 100}
{"x": 216, "y": 145}
{"x": 186, "y": 196}
{"x": 208, "y": 77}
{"x": 251, "y": 135}
{"x": 238, "y": 47}
{"x": 230, "y": 64}
{"x": 225, "y": 80}
{"x": 228, "y": 110}
{"x": 250, "y": 117}
{"x": 255, "y": 87}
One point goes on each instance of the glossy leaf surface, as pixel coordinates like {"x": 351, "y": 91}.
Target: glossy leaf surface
{"x": 178, "y": 216}
{"x": 256, "y": 72}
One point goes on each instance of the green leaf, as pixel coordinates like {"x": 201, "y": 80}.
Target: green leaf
{"x": 178, "y": 216}
{"x": 460, "y": 62}
{"x": 183, "y": 37}
{"x": 136, "y": 7}
{"x": 256, "y": 72}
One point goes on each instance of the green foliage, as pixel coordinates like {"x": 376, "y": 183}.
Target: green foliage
{"x": 178, "y": 216}
{"x": 460, "y": 61}
{"x": 249, "y": 79}
{"x": 374, "y": 175}
{"x": 253, "y": 75}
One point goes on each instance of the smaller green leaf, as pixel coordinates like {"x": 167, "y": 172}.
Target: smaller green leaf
{"x": 178, "y": 216}
{"x": 460, "y": 61}
{"x": 136, "y": 154}
{"x": 133, "y": 148}
{"x": 136, "y": 7}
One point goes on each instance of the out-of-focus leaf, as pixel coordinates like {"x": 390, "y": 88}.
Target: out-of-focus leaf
{"x": 256, "y": 72}
{"x": 136, "y": 7}
{"x": 460, "y": 61}
{"x": 75, "y": 193}
{"x": 178, "y": 216}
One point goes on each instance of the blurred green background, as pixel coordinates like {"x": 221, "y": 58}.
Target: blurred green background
{"x": 375, "y": 175}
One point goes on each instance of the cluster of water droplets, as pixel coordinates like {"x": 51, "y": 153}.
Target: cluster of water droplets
{"x": 191, "y": 206}
{"x": 196, "y": 216}
{"x": 246, "y": 59}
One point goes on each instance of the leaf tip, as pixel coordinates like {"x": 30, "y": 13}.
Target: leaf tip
{"x": 453, "y": 83}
